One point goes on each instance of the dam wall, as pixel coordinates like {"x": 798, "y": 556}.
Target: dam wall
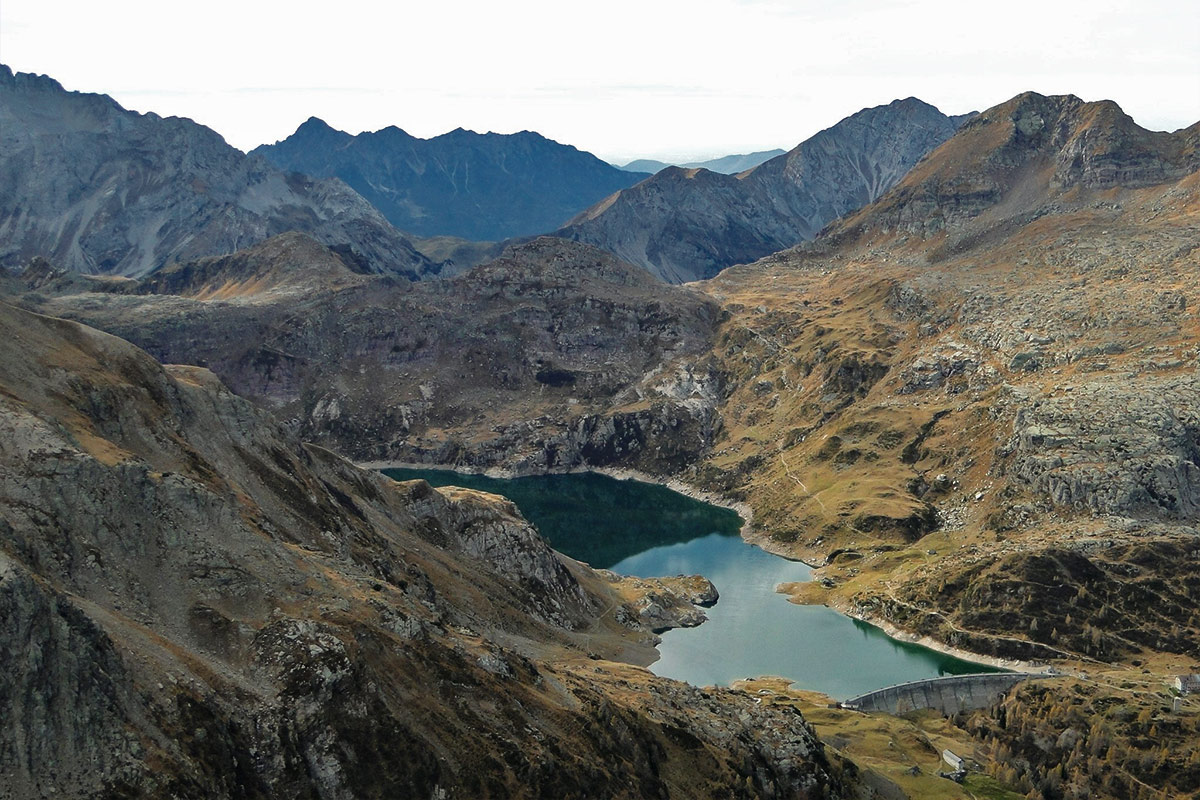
{"x": 949, "y": 694}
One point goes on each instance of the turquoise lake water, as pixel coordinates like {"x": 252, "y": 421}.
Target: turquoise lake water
{"x": 646, "y": 530}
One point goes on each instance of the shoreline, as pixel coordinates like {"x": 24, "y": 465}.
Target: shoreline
{"x": 746, "y": 512}
{"x": 743, "y": 510}
{"x": 929, "y": 643}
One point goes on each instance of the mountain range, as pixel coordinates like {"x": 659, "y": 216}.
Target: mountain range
{"x": 480, "y": 187}
{"x": 99, "y": 189}
{"x": 730, "y": 165}
{"x": 972, "y": 400}
{"x": 688, "y": 224}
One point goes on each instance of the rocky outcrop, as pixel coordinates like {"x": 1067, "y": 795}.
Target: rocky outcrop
{"x": 687, "y": 224}
{"x": 98, "y": 189}
{"x": 483, "y": 187}
{"x": 197, "y": 605}
{"x": 659, "y": 604}
{"x": 663, "y": 439}
{"x": 503, "y": 541}
{"x": 1114, "y": 448}
{"x": 595, "y": 354}
{"x": 286, "y": 267}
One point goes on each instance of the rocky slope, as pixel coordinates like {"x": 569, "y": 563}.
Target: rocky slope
{"x": 291, "y": 265}
{"x": 560, "y": 352}
{"x": 197, "y": 605}
{"x": 481, "y": 187}
{"x": 1008, "y": 164}
{"x": 985, "y": 383}
{"x": 99, "y": 189}
{"x": 688, "y": 224}
{"x": 976, "y": 398}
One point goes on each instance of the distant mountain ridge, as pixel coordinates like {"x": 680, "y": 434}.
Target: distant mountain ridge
{"x": 481, "y": 187}
{"x": 688, "y": 224}
{"x": 730, "y": 165}
{"x": 99, "y": 189}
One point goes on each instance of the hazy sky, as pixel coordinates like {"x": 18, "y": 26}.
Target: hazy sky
{"x": 623, "y": 78}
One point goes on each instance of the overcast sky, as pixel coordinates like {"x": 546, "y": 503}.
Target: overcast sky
{"x": 671, "y": 79}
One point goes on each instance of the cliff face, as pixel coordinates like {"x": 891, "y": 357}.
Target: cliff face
{"x": 566, "y": 354}
{"x": 483, "y": 187}
{"x": 688, "y": 224}
{"x": 99, "y": 189}
{"x": 197, "y": 605}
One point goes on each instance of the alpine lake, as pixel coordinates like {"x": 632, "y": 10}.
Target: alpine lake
{"x": 646, "y": 530}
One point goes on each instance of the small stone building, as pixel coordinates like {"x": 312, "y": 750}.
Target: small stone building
{"x": 1186, "y": 684}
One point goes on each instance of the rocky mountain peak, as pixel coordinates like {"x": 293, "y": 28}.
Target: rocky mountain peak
{"x": 315, "y": 130}
{"x": 392, "y": 133}
{"x": 27, "y": 79}
{"x": 314, "y": 125}
{"x": 284, "y": 267}
{"x": 685, "y": 224}
{"x": 1093, "y": 144}
{"x": 99, "y": 189}
{"x": 911, "y": 102}
{"x": 905, "y": 105}
{"x": 1022, "y": 153}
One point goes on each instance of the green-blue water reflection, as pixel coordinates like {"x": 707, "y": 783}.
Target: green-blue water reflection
{"x": 646, "y": 530}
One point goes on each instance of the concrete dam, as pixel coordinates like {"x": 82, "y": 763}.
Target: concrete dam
{"x": 949, "y": 695}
